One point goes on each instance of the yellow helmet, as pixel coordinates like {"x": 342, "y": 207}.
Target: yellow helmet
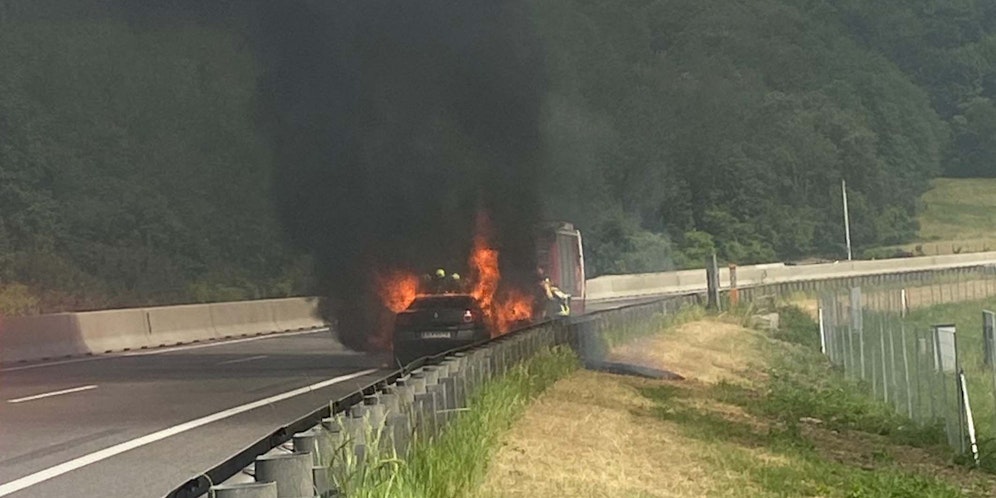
{"x": 440, "y": 273}
{"x": 455, "y": 276}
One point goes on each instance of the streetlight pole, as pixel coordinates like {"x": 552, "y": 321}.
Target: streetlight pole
{"x": 847, "y": 219}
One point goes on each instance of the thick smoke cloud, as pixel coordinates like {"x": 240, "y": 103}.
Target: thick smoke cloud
{"x": 393, "y": 123}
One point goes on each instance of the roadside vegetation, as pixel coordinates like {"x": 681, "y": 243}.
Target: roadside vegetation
{"x": 759, "y": 414}
{"x": 957, "y": 215}
{"x": 454, "y": 463}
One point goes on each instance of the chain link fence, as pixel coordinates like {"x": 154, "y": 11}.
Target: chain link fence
{"x": 925, "y": 346}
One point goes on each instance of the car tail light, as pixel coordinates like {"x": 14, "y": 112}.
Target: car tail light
{"x": 468, "y": 316}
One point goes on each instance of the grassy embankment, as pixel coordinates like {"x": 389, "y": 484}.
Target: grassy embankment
{"x": 758, "y": 415}
{"x": 454, "y": 463}
{"x": 958, "y": 215}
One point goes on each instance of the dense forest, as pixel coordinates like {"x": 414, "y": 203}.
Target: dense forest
{"x": 133, "y": 170}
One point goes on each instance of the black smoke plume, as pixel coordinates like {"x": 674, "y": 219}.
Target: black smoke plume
{"x": 393, "y": 124}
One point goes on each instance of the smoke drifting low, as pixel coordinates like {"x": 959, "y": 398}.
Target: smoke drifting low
{"x": 393, "y": 123}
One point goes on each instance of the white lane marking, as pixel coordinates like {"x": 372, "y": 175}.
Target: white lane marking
{"x": 54, "y": 393}
{"x": 243, "y": 360}
{"x": 169, "y": 349}
{"x": 52, "y": 472}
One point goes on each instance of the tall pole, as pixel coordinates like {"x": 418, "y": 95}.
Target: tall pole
{"x": 847, "y": 219}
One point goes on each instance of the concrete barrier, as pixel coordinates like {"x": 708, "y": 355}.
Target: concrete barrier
{"x": 296, "y": 313}
{"x": 40, "y": 337}
{"x": 650, "y": 284}
{"x": 242, "y": 318}
{"x": 114, "y": 330}
{"x": 171, "y": 325}
{"x": 62, "y": 335}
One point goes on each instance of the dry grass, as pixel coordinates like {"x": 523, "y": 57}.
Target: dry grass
{"x": 603, "y": 435}
{"x": 594, "y": 435}
{"x": 708, "y": 350}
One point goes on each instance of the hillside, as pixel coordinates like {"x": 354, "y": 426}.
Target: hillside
{"x": 956, "y": 215}
{"x": 135, "y": 168}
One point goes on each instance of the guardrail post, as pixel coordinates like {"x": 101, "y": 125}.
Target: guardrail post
{"x": 355, "y": 425}
{"x": 308, "y": 442}
{"x": 497, "y": 358}
{"x": 247, "y": 490}
{"x": 375, "y": 413}
{"x": 418, "y": 383}
{"x": 324, "y": 482}
{"x": 431, "y": 375}
{"x": 425, "y": 415}
{"x": 399, "y": 432}
{"x": 442, "y": 416}
{"x": 291, "y": 473}
{"x": 392, "y": 405}
{"x": 450, "y": 391}
{"x": 405, "y": 392}
{"x": 487, "y": 366}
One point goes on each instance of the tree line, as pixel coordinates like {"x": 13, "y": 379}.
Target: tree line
{"x": 132, "y": 170}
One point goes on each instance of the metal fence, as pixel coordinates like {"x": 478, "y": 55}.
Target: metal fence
{"x": 923, "y": 346}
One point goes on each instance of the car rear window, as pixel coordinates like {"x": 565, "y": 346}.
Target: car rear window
{"x": 442, "y": 302}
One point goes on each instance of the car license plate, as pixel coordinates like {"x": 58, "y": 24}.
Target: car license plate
{"x": 437, "y": 335}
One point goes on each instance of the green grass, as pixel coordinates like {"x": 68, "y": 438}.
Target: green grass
{"x": 795, "y": 326}
{"x": 454, "y": 463}
{"x": 800, "y": 384}
{"x": 959, "y": 209}
{"x": 958, "y": 216}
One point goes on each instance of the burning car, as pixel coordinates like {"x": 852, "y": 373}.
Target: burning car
{"x": 433, "y": 324}
{"x": 427, "y": 321}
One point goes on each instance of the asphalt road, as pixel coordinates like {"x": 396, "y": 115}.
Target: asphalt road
{"x": 140, "y": 424}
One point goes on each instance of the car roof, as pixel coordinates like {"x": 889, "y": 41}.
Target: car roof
{"x": 442, "y": 301}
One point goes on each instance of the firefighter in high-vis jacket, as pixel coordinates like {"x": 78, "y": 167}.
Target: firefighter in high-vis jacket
{"x": 553, "y": 301}
{"x": 441, "y": 283}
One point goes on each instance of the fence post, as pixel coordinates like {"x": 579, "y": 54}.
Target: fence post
{"x": 893, "y": 370}
{"x": 712, "y": 282}
{"x": 823, "y": 336}
{"x": 991, "y": 318}
{"x": 734, "y": 291}
{"x": 906, "y": 369}
{"x": 967, "y": 412}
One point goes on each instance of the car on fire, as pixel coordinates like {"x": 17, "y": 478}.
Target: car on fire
{"x": 434, "y": 323}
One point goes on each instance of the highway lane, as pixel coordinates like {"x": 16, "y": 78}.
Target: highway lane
{"x": 64, "y": 414}
{"x": 54, "y": 414}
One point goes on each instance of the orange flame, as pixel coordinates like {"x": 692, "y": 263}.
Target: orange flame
{"x": 397, "y": 290}
{"x": 514, "y": 309}
{"x": 504, "y": 311}
{"x": 484, "y": 271}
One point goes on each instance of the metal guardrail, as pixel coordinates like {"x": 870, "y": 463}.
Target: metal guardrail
{"x": 200, "y": 485}
{"x": 565, "y": 333}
